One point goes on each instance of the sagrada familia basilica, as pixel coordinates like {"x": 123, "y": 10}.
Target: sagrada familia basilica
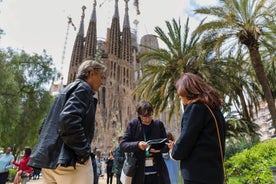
{"x": 119, "y": 53}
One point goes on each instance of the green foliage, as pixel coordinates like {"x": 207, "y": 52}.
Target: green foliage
{"x": 248, "y": 25}
{"x": 240, "y": 129}
{"x": 234, "y": 180}
{"x": 12, "y": 173}
{"x": 24, "y": 99}
{"x": 237, "y": 146}
{"x": 253, "y": 165}
{"x": 157, "y": 82}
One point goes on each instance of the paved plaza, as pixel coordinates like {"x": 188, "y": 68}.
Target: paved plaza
{"x": 102, "y": 180}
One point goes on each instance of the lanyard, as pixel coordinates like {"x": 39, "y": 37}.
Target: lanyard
{"x": 145, "y": 139}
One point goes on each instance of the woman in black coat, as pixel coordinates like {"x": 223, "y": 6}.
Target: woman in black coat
{"x": 200, "y": 146}
{"x": 150, "y": 166}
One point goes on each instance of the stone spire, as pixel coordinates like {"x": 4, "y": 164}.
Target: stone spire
{"x": 77, "y": 53}
{"x": 114, "y": 38}
{"x": 126, "y": 37}
{"x": 91, "y": 36}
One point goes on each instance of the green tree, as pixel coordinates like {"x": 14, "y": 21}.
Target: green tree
{"x": 24, "y": 97}
{"x": 250, "y": 23}
{"x": 157, "y": 82}
{"x": 187, "y": 53}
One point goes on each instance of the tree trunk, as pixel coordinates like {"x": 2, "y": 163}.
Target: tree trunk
{"x": 245, "y": 112}
{"x": 262, "y": 78}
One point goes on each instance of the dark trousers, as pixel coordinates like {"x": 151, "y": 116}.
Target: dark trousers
{"x": 151, "y": 179}
{"x": 109, "y": 178}
{"x": 118, "y": 176}
{"x": 94, "y": 165}
{"x": 4, "y": 177}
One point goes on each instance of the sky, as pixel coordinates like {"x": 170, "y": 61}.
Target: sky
{"x": 37, "y": 25}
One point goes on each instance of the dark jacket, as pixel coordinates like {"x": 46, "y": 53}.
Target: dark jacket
{"x": 198, "y": 147}
{"x": 68, "y": 129}
{"x": 109, "y": 165}
{"x": 133, "y": 135}
{"x": 119, "y": 158}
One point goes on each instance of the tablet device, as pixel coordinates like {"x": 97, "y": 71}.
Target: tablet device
{"x": 157, "y": 143}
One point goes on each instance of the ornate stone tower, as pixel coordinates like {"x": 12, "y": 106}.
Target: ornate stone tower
{"x": 116, "y": 103}
{"x": 77, "y": 54}
{"x": 91, "y": 36}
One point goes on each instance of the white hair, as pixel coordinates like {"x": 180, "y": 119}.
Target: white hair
{"x": 87, "y": 66}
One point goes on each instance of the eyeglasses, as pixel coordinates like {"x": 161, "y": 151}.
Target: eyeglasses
{"x": 146, "y": 116}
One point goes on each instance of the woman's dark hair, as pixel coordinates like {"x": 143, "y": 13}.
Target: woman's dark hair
{"x": 144, "y": 108}
{"x": 193, "y": 87}
{"x": 27, "y": 151}
{"x": 170, "y": 136}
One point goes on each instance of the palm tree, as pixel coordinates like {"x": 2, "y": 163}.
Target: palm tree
{"x": 241, "y": 90}
{"x": 157, "y": 83}
{"x": 190, "y": 54}
{"x": 249, "y": 23}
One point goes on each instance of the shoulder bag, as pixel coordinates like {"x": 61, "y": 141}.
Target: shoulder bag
{"x": 129, "y": 168}
{"x": 219, "y": 140}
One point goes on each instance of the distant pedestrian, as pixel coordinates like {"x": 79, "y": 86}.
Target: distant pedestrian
{"x": 109, "y": 165}
{"x": 36, "y": 173}
{"x": 94, "y": 165}
{"x": 23, "y": 170}
{"x": 119, "y": 158}
{"x": 5, "y": 164}
{"x": 172, "y": 165}
{"x": 98, "y": 158}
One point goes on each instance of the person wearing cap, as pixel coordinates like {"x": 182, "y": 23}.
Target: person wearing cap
{"x": 64, "y": 144}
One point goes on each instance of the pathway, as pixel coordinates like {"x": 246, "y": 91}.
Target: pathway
{"x": 102, "y": 180}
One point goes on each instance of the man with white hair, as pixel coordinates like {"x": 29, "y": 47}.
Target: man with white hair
{"x": 64, "y": 145}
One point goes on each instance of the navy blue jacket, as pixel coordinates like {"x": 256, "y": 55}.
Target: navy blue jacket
{"x": 198, "y": 147}
{"x": 68, "y": 129}
{"x": 133, "y": 135}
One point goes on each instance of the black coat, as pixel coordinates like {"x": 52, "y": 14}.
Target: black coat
{"x": 133, "y": 135}
{"x": 198, "y": 147}
{"x": 68, "y": 129}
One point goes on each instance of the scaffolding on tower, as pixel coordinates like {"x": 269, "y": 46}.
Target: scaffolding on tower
{"x": 56, "y": 87}
{"x": 136, "y": 4}
{"x": 69, "y": 24}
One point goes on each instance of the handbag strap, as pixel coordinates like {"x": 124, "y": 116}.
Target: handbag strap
{"x": 219, "y": 140}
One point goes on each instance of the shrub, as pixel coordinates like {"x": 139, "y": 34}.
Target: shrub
{"x": 239, "y": 145}
{"x": 12, "y": 173}
{"x": 253, "y": 165}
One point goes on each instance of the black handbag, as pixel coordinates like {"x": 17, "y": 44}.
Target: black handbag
{"x": 129, "y": 166}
